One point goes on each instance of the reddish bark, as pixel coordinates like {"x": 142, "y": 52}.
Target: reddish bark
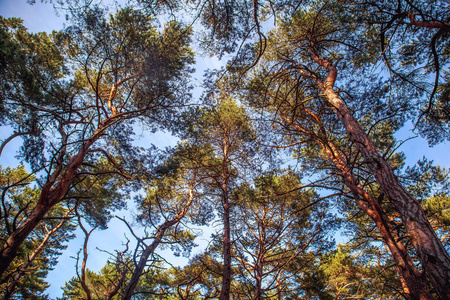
{"x": 12, "y": 286}
{"x": 226, "y": 276}
{"x": 16, "y": 239}
{"x": 433, "y": 256}
{"x": 413, "y": 283}
{"x": 259, "y": 273}
{"x": 428, "y": 24}
{"x": 52, "y": 192}
{"x": 134, "y": 280}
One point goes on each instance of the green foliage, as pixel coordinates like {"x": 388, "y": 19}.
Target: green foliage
{"x": 106, "y": 75}
{"x": 199, "y": 278}
{"x": 32, "y": 69}
{"x": 430, "y": 184}
{"x": 100, "y": 284}
{"x": 280, "y": 225}
{"x": 356, "y": 275}
{"x": 177, "y": 186}
{"x": 17, "y": 197}
{"x": 129, "y": 47}
{"x": 59, "y": 85}
{"x": 224, "y": 131}
{"x": 438, "y": 209}
{"x": 97, "y": 192}
{"x": 83, "y": 86}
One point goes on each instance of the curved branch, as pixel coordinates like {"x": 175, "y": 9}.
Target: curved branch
{"x": 14, "y": 135}
{"x": 436, "y": 79}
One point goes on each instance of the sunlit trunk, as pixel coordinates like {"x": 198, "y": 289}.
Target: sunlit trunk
{"x": 413, "y": 284}
{"x": 226, "y": 276}
{"x": 258, "y": 283}
{"x": 52, "y": 192}
{"x": 150, "y": 249}
{"x": 279, "y": 287}
{"x": 432, "y": 254}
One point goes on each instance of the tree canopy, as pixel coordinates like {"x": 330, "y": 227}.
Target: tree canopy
{"x": 288, "y": 160}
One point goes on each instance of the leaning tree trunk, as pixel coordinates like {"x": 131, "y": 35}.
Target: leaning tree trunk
{"x": 134, "y": 280}
{"x": 432, "y": 254}
{"x": 413, "y": 284}
{"x": 16, "y": 239}
{"x": 23, "y": 269}
{"x": 52, "y": 192}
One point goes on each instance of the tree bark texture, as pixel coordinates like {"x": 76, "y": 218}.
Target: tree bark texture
{"x": 12, "y": 286}
{"x": 432, "y": 254}
{"x": 16, "y": 239}
{"x": 226, "y": 279}
{"x": 413, "y": 283}
{"x": 134, "y": 280}
{"x": 52, "y": 192}
{"x": 258, "y": 276}
{"x": 226, "y": 276}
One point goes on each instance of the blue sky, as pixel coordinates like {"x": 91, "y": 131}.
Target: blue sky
{"x": 42, "y": 17}
{"x": 37, "y": 17}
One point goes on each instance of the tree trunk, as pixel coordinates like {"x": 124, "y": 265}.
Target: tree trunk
{"x": 414, "y": 285}
{"x": 259, "y": 265}
{"x": 258, "y": 283}
{"x": 51, "y": 194}
{"x": 432, "y": 254}
{"x": 226, "y": 279}
{"x": 130, "y": 288}
{"x": 279, "y": 287}
{"x": 16, "y": 239}
{"x": 12, "y": 286}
